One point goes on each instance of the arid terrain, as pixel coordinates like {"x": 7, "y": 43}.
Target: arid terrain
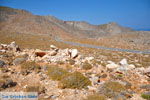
{"x": 32, "y": 60}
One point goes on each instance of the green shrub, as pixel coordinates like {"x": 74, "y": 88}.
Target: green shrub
{"x": 112, "y": 89}
{"x": 26, "y": 67}
{"x": 32, "y": 89}
{"x": 95, "y": 97}
{"x": 36, "y": 88}
{"x": 114, "y": 86}
{"x": 146, "y": 96}
{"x": 56, "y": 73}
{"x": 86, "y": 66}
{"x": 74, "y": 80}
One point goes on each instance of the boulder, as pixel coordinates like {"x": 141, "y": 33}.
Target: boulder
{"x": 2, "y": 63}
{"x": 13, "y": 46}
{"x": 124, "y": 62}
{"x": 89, "y": 58}
{"x": 73, "y": 53}
{"x": 52, "y": 53}
{"x": 112, "y": 66}
{"x": 6, "y": 83}
{"x": 131, "y": 66}
{"x": 18, "y": 61}
{"x": 147, "y": 70}
{"x": 40, "y": 54}
{"x": 53, "y": 47}
{"x": 4, "y": 47}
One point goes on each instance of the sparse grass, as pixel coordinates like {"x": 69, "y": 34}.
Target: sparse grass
{"x": 115, "y": 86}
{"x": 7, "y": 57}
{"x": 86, "y": 66}
{"x": 36, "y": 88}
{"x": 95, "y": 97}
{"x": 68, "y": 67}
{"x": 56, "y": 73}
{"x": 111, "y": 89}
{"x": 146, "y": 96}
{"x": 34, "y": 41}
{"x": 74, "y": 80}
{"x": 32, "y": 89}
{"x": 26, "y": 67}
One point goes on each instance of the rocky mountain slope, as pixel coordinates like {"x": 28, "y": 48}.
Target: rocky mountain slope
{"x": 59, "y": 71}
{"x": 22, "y": 21}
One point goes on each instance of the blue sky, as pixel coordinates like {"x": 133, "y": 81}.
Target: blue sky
{"x": 129, "y": 13}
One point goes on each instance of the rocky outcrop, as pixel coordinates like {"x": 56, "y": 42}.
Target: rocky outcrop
{"x": 11, "y": 47}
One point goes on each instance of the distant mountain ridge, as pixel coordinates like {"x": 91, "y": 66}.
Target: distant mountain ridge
{"x": 22, "y": 21}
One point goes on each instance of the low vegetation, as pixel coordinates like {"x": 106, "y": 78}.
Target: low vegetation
{"x": 95, "y": 97}
{"x": 146, "y": 96}
{"x": 26, "y": 67}
{"x": 86, "y": 66}
{"x": 71, "y": 61}
{"x": 56, "y": 73}
{"x": 115, "y": 86}
{"x": 36, "y": 88}
{"x": 74, "y": 80}
{"x": 112, "y": 89}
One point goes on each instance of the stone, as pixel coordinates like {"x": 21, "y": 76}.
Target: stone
{"x": 2, "y": 63}
{"x": 112, "y": 66}
{"x": 89, "y": 58}
{"x": 147, "y": 70}
{"x": 53, "y": 47}
{"x": 14, "y": 46}
{"x": 123, "y": 62}
{"x": 6, "y": 83}
{"x": 131, "y": 66}
{"x": 3, "y": 51}
{"x": 74, "y": 53}
{"x": 94, "y": 79}
{"x": 110, "y": 62}
{"x": 53, "y": 97}
{"x": 40, "y": 54}
{"x": 18, "y": 61}
{"x": 91, "y": 88}
{"x": 10, "y": 83}
{"x": 52, "y": 53}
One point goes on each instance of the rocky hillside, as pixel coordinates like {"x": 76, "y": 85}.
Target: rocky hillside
{"x": 67, "y": 74}
{"x": 21, "y": 21}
